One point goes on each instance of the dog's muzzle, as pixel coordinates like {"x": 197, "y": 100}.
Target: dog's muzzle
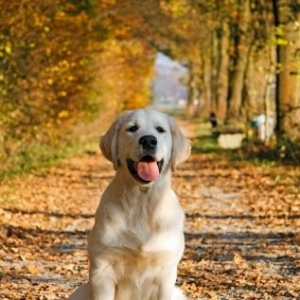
{"x": 146, "y": 170}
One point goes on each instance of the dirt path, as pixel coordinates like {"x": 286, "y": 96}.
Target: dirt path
{"x": 242, "y": 228}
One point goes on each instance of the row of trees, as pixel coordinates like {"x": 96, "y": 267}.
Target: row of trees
{"x": 242, "y": 55}
{"x": 63, "y": 60}
{"x": 244, "y": 58}
{"x": 265, "y": 61}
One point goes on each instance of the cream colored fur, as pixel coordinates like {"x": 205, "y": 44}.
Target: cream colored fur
{"x": 137, "y": 240}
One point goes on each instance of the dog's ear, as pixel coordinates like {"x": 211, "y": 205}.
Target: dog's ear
{"x": 109, "y": 141}
{"x": 181, "y": 147}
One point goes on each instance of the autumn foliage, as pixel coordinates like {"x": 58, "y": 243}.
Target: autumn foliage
{"x": 241, "y": 231}
{"x": 60, "y": 64}
{"x": 44, "y": 71}
{"x": 65, "y": 62}
{"x": 69, "y": 66}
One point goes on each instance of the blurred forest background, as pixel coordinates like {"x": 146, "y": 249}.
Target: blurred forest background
{"x": 66, "y": 63}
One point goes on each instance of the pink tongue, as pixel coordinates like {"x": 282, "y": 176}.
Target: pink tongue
{"x": 147, "y": 171}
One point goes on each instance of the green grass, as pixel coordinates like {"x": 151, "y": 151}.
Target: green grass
{"x": 39, "y": 156}
{"x": 257, "y": 154}
{"x": 205, "y": 142}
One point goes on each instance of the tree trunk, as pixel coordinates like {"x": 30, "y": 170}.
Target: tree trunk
{"x": 215, "y": 63}
{"x": 204, "y": 84}
{"x": 194, "y": 86}
{"x": 238, "y": 62}
{"x": 222, "y": 67}
{"x": 286, "y": 19}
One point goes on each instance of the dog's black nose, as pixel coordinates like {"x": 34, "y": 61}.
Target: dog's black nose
{"x": 149, "y": 142}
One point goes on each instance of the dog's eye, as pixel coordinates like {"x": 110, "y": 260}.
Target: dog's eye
{"x": 160, "y": 129}
{"x": 132, "y": 128}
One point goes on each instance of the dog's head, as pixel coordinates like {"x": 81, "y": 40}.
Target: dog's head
{"x": 146, "y": 143}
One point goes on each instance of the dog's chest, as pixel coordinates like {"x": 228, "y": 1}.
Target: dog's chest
{"x": 149, "y": 224}
{"x": 136, "y": 227}
{"x": 139, "y": 245}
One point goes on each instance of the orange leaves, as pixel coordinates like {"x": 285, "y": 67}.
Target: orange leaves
{"x": 75, "y": 57}
{"x": 238, "y": 259}
{"x": 177, "y": 8}
{"x": 44, "y": 228}
{"x": 123, "y": 74}
{"x": 45, "y": 48}
{"x": 242, "y": 224}
{"x": 241, "y": 232}
{"x": 33, "y": 270}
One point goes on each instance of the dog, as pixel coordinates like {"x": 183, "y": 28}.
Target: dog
{"x": 137, "y": 240}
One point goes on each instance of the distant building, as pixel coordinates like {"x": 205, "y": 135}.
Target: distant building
{"x": 168, "y": 88}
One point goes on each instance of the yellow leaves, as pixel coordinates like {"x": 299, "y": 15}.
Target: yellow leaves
{"x": 60, "y": 15}
{"x": 64, "y": 63}
{"x": 238, "y": 259}
{"x": 8, "y": 48}
{"x": 63, "y": 114}
{"x": 42, "y": 47}
{"x": 124, "y": 75}
{"x": 177, "y": 8}
{"x": 279, "y": 37}
{"x": 231, "y": 251}
{"x": 106, "y": 3}
{"x": 38, "y": 20}
{"x": 282, "y": 42}
{"x": 62, "y": 94}
{"x": 5, "y": 49}
{"x": 33, "y": 270}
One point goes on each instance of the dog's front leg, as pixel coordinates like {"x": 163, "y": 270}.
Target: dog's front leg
{"x": 167, "y": 284}
{"x": 102, "y": 283}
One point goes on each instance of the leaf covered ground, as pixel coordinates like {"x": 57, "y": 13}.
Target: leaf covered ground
{"x": 242, "y": 228}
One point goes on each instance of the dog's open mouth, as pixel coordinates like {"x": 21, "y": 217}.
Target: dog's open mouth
{"x": 146, "y": 170}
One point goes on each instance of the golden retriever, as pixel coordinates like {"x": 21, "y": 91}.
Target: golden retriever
{"x": 137, "y": 240}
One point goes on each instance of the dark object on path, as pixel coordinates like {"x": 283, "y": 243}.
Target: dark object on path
{"x": 213, "y": 120}
{"x": 214, "y": 124}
